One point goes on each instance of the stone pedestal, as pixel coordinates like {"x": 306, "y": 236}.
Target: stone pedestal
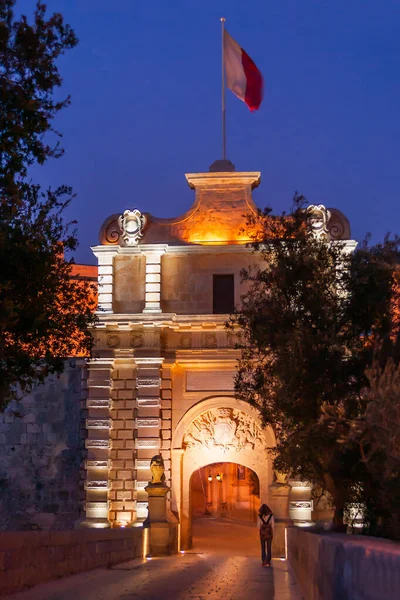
{"x": 279, "y": 502}
{"x": 162, "y": 528}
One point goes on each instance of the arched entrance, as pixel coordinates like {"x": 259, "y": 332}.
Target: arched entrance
{"x": 225, "y": 491}
{"x": 217, "y": 430}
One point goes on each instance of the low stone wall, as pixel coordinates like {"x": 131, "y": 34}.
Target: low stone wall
{"x": 29, "y": 558}
{"x": 342, "y": 567}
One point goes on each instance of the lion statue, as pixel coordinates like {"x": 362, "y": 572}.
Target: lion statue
{"x": 157, "y": 469}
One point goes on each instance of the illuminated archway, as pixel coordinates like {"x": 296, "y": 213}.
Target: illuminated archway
{"x": 219, "y": 429}
{"x": 225, "y": 490}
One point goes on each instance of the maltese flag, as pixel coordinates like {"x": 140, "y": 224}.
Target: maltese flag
{"x": 242, "y": 76}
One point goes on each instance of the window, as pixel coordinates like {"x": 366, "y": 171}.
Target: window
{"x": 223, "y": 294}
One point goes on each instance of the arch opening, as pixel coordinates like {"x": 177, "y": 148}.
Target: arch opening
{"x": 225, "y": 490}
{"x": 218, "y": 430}
{"x": 224, "y": 502}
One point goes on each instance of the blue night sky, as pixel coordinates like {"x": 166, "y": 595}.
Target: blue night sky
{"x": 145, "y": 82}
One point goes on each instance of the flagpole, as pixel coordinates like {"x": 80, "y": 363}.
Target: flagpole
{"x": 223, "y": 92}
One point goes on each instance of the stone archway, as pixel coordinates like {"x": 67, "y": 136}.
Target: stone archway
{"x": 217, "y": 429}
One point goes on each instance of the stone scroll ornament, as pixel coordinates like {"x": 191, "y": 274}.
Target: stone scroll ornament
{"x": 157, "y": 470}
{"x": 226, "y": 429}
{"x": 131, "y": 223}
{"x": 328, "y": 223}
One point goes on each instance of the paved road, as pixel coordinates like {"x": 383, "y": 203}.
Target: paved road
{"x": 223, "y": 565}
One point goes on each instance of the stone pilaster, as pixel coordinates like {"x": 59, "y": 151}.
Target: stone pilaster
{"x": 148, "y": 425}
{"x": 123, "y": 473}
{"x": 98, "y": 443}
{"x": 153, "y": 279}
{"x": 166, "y": 420}
{"x": 105, "y": 257}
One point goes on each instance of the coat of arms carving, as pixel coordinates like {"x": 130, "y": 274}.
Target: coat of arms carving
{"x": 224, "y": 428}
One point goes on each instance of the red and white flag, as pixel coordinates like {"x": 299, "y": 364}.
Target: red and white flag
{"x": 242, "y": 76}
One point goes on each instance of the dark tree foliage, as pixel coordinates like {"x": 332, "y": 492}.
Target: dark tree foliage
{"x": 44, "y": 315}
{"x": 311, "y": 323}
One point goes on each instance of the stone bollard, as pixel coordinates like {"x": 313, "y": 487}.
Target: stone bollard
{"x": 279, "y": 500}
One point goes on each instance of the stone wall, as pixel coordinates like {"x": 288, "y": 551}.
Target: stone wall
{"x": 30, "y": 558}
{"x": 343, "y": 567}
{"x": 129, "y": 282}
{"x": 41, "y": 453}
{"x": 187, "y": 279}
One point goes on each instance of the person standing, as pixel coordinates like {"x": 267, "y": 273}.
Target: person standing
{"x": 265, "y": 524}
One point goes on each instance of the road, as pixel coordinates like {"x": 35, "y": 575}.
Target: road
{"x": 223, "y": 565}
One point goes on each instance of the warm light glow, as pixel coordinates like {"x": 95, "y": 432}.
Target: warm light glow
{"x": 182, "y": 552}
{"x": 217, "y": 237}
{"x": 145, "y": 542}
{"x": 209, "y": 477}
{"x": 218, "y": 477}
{"x": 285, "y": 542}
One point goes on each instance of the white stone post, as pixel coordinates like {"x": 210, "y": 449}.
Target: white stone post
{"x": 105, "y": 257}
{"x": 153, "y": 278}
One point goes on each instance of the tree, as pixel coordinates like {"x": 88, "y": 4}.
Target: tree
{"x": 309, "y": 325}
{"x": 44, "y": 314}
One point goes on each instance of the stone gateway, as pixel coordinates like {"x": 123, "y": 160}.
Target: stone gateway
{"x": 158, "y": 397}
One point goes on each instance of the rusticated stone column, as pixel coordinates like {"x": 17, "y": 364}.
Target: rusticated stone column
{"x": 98, "y": 444}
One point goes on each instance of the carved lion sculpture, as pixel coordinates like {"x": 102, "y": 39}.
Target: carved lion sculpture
{"x": 157, "y": 469}
{"x": 281, "y": 477}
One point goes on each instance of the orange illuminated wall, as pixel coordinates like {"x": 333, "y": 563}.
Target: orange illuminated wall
{"x": 88, "y": 274}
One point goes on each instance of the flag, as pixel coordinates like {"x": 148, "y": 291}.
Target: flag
{"x": 242, "y": 76}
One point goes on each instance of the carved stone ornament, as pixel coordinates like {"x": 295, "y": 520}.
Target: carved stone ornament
{"x": 226, "y": 429}
{"x": 308, "y": 504}
{"x": 185, "y": 341}
{"x": 113, "y": 340}
{"x": 210, "y": 340}
{"x": 281, "y": 477}
{"x": 137, "y": 339}
{"x": 328, "y": 223}
{"x": 318, "y": 217}
{"x": 157, "y": 470}
{"x": 131, "y": 224}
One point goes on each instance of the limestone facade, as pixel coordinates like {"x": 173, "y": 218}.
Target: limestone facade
{"x": 162, "y": 377}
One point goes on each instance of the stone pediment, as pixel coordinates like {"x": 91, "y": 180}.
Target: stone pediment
{"x": 216, "y": 216}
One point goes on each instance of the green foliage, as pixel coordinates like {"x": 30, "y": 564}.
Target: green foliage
{"x": 310, "y": 322}
{"x": 44, "y": 315}
{"x": 28, "y": 77}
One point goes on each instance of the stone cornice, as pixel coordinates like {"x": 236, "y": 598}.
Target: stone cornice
{"x": 125, "y": 321}
{"x": 227, "y": 179}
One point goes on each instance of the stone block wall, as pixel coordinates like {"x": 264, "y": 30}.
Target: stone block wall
{"x": 129, "y": 284}
{"x": 41, "y": 452}
{"x": 187, "y": 279}
{"x": 343, "y": 567}
{"x": 121, "y": 475}
{"x": 30, "y": 558}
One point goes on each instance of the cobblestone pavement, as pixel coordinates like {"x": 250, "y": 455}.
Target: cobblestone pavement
{"x": 212, "y": 571}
